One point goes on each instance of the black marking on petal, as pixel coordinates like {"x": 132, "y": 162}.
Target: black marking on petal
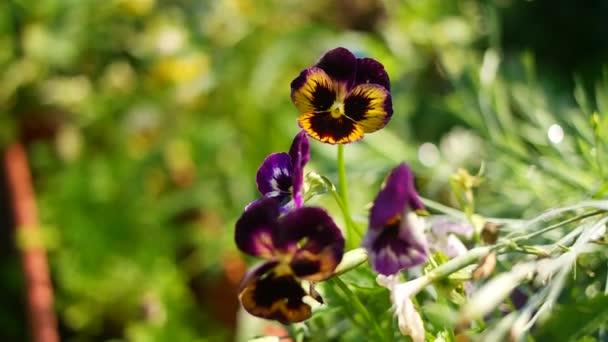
{"x": 356, "y": 107}
{"x": 322, "y": 97}
{"x": 284, "y": 183}
{"x": 276, "y": 297}
{"x": 332, "y": 130}
{"x": 389, "y": 235}
{"x": 305, "y": 267}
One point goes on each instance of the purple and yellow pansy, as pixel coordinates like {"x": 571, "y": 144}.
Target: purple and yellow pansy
{"x": 303, "y": 244}
{"x": 342, "y": 97}
{"x": 281, "y": 175}
{"x": 395, "y": 238}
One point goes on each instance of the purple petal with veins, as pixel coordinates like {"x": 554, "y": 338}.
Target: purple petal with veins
{"x": 300, "y": 154}
{"x": 275, "y": 177}
{"x": 397, "y": 195}
{"x": 398, "y": 246}
{"x": 255, "y": 230}
{"x": 316, "y": 240}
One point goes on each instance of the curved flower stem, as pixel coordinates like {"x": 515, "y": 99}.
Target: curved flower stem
{"x": 557, "y": 225}
{"x": 458, "y": 263}
{"x": 444, "y": 209}
{"x": 351, "y": 230}
{"x": 356, "y": 303}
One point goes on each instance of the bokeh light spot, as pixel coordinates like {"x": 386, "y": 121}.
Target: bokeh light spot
{"x": 555, "y": 133}
{"x": 428, "y": 154}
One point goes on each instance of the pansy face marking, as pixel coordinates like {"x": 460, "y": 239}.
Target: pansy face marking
{"x": 304, "y": 243}
{"x": 281, "y": 175}
{"x": 342, "y": 97}
{"x": 395, "y": 238}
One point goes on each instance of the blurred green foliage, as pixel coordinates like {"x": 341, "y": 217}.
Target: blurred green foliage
{"x": 146, "y": 120}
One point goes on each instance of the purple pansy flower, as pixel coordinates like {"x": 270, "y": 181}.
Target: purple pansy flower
{"x": 303, "y": 244}
{"x": 342, "y": 97}
{"x": 281, "y": 175}
{"x": 395, "y": 238}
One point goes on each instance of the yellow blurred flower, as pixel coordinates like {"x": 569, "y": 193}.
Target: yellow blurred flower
{"x": 137, "y": 7}
{"x": 181, "y": 69}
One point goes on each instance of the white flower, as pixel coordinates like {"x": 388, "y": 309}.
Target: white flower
{"x": 443, "y": 235}
{"x": 409, "y": 320}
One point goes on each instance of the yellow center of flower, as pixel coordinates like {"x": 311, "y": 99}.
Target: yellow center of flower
{"x": 394, "y": 222}
{"x": 283, "y": 269}
{"x": 337, "y": 109}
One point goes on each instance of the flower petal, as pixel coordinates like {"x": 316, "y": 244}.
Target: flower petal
{"x": 340, "y": 64}
{"x": 315, "y": 91}
{"x": 397, "y": 195}
{"x": 274, "y": 177}
{"x": 325, "y": 128}
{"x": 257, "y": 271}
{"x": 300, "y": 154}
{"x": 274, "y": 296}
{"x": 399, "y": 246}
{"x": 369, "y": 105}
{"x": 316, "y": 240}
{"x": 443, "y": 225}
{"x": 371, "y": 71}
{"x": 255, "y": 229}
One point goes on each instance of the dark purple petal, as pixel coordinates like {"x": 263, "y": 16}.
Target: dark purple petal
{"x": 340, "y": 64}
{"x": 300, "y": 154}
{"x": 275, "y": 177}
{"x": 316, "y": 241}
{"x": 275, "y": 296}
{"x": 398, "y": 246}
{"x": 255, "y": 229}
{"x": 398, "y": 196}
{"x": 370, "y": 70}
{"x": 388, "y": 108}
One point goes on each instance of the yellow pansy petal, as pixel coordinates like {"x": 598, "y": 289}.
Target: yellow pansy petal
{"x": 276, "y": 297}
{"x": 315, "y": 91}
{"x": 370, "y": 106}
{"x": 325, "y": 128}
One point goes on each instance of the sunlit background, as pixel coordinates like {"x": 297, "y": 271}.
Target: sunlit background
{"x": 146, "y": 120}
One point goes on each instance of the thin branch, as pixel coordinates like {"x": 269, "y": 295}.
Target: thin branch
{"x": 42, "y": 320}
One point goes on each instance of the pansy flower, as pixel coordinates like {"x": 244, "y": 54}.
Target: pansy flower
{"x": 281, "y": 175}
{"x": 395, "y": 238}
{"x": 342, "y": 97}
{"x": 304, "y": 244}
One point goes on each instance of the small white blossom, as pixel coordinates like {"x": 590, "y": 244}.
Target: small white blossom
{"x": 409, "y": 320}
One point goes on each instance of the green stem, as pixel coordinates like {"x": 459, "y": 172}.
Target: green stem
{"x": 359, "y": 307}
{"x": 458, "y": 263}
{"x": 349, "y": 221}
{"x": 342, "y": 175}
{"x": 444, "y": 209}
{"x": 358, "y": 256}
{"x": 557, "y": 225}
{"x": 351, "y": 230}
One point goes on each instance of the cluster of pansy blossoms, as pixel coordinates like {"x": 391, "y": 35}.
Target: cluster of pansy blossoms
{"x": 340, "y": 99}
